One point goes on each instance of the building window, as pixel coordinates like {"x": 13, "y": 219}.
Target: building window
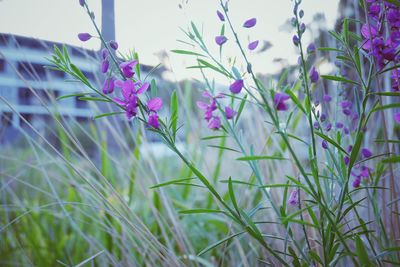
{"x": 24, "y": 96}
{"x": 6, "y": 118}
{"x": 32, "y": 71}
{"x": 2, "y": 65}
{"x": 81, "y": 104}
{"x": 30, "y": 43}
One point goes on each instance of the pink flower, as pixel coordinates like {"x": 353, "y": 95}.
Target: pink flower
{"x": 220, "y": 16}
{"x": 229, "y": 113}
{"x": 253, "y": 45}
{"x": 215, "y": 123}
{"x": 154, "y": 104}
{"x": 366, "y": 152}
{"x": 236, "y": 86}
{"x": 84, "y": 36}
{"x": 104, "y": 66}
{"x": 250, "y": 23}
{"x": 279, "y": 101}
{"x": 127, "y": 68}
{"x": 397, "y": 117}
{"x": 153, "y": 121}
{"x": 220, "y": 40}
{"x": 294, "y": 198}
{"x": 108, "y": 86}
{"x": 114, "y": 45}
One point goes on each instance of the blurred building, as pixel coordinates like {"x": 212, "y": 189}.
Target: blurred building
{"x": 29, "y": 87}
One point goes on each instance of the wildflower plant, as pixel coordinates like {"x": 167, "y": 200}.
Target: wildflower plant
{"x": 319, "y": 208}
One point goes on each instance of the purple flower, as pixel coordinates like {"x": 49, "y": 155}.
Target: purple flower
{"x": 82, "y": 2}
{"x": 154, "y": 104}
{"x": 345, "y": 104}
{"x": 357, "y": 182}
{"x": 114, "y": 45}
{"x": 104, "y": 66}
{"x": 215, "y": 123}
{"x": 324, "y": 144}
{"x": 220, "y": 40}
{"x": 346, "y": 112}
{"x": 346, "y": 160}
{"x": 346, "y": 130}
{"x": 293, "y": 198}
{"x": 349, "y": 148}
{"x": 366, "y": 152}
{"x": 302, "y": 27}
{"x": 339, "y": 125}
{"x": 229, "y": 113}
{"x": 279, "y": 101}
{"x": 220, "y": 16}
{"x": 250, "y": 23}
{"x": 327, "y": 98}
{"x": 314, "y": 76}
{"x": 311, "y": 48}
{"x": 236, "y": 86}
{"x": 253, "y": 45}
{"x": 397, "y": 117}
{"x": 208, "y": 108}
{"x": 108, "y": 86}
{"x": 127, "y": 68}
{"x": 328, "y": 127}
{"x": 316, "y": 125}
{"x": 84, "y": 36}
{"x": 296, "y": 40}
{"x": 153, "y": 121}
{"x": 104, "y": 53}
{"x": 130, "y": 95}
{"x": 323, "y": 117}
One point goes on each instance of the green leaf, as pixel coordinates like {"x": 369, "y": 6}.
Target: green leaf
{"x": 72, "y": 95}
{"x": 225, "y": 148}
{"x": 174, "y": 113}
{"x": 196, "y": 32}
{"x": 216, "y": 244}
{"x": 153, "y": 88}
{"x": 205, "y": 64}
{"x": 394, "y": 159}
{"x": 98, "y": 99}
{"x": 196, "y": 211}
{"x": 108, "y": 114}
{"x": 252, "y": 158}
{"x": 338, "y": 79}
{"x": 236, "y": 73}
{"x": 389, "y": 106}
{"x": 232, "y": 196}
{"x": 362, "y": 254}
{"x": 171, "y": 182}
{"x": 329, "y": 49}
{"x": 296, "y": 100}
{"x": 185, "y": 52}
{"x": 79, "y": 73}
{"x": 241, "y": 107}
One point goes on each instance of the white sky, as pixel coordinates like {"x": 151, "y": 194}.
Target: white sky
{"x": 150, "y": 26}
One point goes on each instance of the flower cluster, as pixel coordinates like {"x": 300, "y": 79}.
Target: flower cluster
{"x": 210, "y": 108}
{"x": 131, "y": 88}
{"x": 380, "y": 45}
